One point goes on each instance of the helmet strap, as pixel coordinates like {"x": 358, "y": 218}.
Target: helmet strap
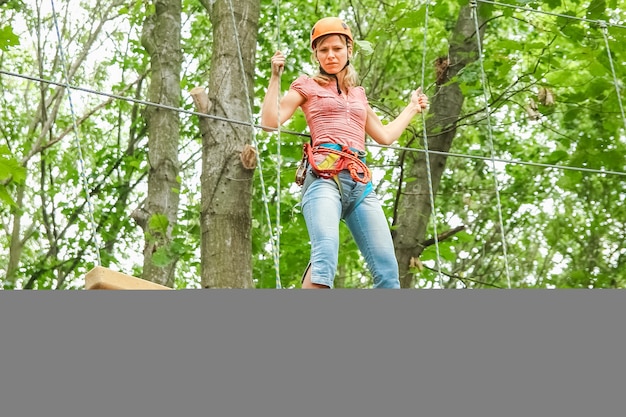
{"x": 323, "y": 72}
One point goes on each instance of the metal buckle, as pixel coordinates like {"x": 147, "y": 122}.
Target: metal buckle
{"x": 301, "y": 172}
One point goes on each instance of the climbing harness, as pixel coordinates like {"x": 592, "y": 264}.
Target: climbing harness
{"x": 344, "y": 165}
{"x": 338, "y": 158}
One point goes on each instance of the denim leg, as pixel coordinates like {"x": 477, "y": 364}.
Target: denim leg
{"x": 321, "y": 207}
{"x": 370, "y": 230}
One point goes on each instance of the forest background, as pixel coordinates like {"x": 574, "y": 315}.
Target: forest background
{"x": 129, "y": 139}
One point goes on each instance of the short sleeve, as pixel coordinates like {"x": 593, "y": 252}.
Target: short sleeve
{"x": 300, "y": 86}
{"x": 363, "y": 96}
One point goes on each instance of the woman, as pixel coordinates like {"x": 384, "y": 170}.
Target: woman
{"x": 336, "y": 185}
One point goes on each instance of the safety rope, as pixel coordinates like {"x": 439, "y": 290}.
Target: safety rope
{"x": 81, "y": 163}
{"x": 564, "y": 16}
{"x": 490, "y": 142}
{"x": 279, "y": 158}
{"x": 68, "y": 87}
{"x": 603, "y": 27}
{"x": 306, "y": 135}
{"x": 275, "y": 254}
{"x": 504, "y": 160}
{"x": 602, "y": 24}
{"x": 431, "y": 192}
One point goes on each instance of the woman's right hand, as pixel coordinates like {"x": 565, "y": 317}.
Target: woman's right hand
{"x": 419, "y": 100}
{"x": 278, "y": 63}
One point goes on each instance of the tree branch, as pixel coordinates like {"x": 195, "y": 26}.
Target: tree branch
{"x": 443, "y": 236}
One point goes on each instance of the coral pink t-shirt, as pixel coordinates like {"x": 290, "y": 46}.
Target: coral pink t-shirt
{"x": 330, "y": 116}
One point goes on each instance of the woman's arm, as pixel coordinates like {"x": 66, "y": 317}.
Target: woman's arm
{"x": 389, "y": 133}
{"x": 288, "y": 104}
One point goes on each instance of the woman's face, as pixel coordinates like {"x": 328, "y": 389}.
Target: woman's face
{"x": 332, "y": 52}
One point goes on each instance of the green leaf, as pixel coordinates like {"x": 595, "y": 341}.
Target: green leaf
{"x": 553, "y": 4}
{"x": 8, "y": 38}
{"x": 365, "y": 47}
{"x": 574, "y": 31}
{"x": 579, "y": 276}
{"x": 441, "y": 10}
{"x": 463, "y": 237}
{"x": 446, "y": 253}
{"x": 6, "y": 197}
{"x": 179, "y": 247}
{"x": 412, "y": 19}
{"x": 161, "y": 258}
{"x": 596, "y": 68}
{"x": 596, "y": 10}
{"x": 570, "y": 180}
{"x": 598, "y": 88}
{"x": 511, "y": 45}
{"x": 534, "y": 45}
{"x": 10, "y": 167}
{"x": 557, "y": 156}
{"x": 158, "y": 223}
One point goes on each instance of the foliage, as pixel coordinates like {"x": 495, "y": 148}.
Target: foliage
{"x": 556, "y": 123}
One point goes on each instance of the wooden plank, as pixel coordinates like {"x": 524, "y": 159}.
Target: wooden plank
{"x": 101, "y": 278}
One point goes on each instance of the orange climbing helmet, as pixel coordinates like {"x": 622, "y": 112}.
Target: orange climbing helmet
{"x": 329, "y": 26}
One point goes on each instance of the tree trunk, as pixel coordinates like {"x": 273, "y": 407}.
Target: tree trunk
{"x": 158, "y": 216}
{"x": 226, "y": 216}
{"x": 414, "y": 208}
{"x": 15, "y": 245}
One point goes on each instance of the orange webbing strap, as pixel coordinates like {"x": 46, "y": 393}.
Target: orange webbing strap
{"x": 347, "y": 159}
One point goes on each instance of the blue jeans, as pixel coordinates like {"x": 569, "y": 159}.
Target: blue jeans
{"x": 323, "y": 209}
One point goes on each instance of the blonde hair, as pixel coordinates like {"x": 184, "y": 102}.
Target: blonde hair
{"x": 350, "y": 79}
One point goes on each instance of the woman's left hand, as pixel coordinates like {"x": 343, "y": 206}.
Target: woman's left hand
{"x": 419, "y": 100}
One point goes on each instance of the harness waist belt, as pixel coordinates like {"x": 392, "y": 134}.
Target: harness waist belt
{"x": 339, "y": 157}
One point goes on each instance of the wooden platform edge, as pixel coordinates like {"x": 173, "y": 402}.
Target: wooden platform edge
{"x": 100, "y": 278}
